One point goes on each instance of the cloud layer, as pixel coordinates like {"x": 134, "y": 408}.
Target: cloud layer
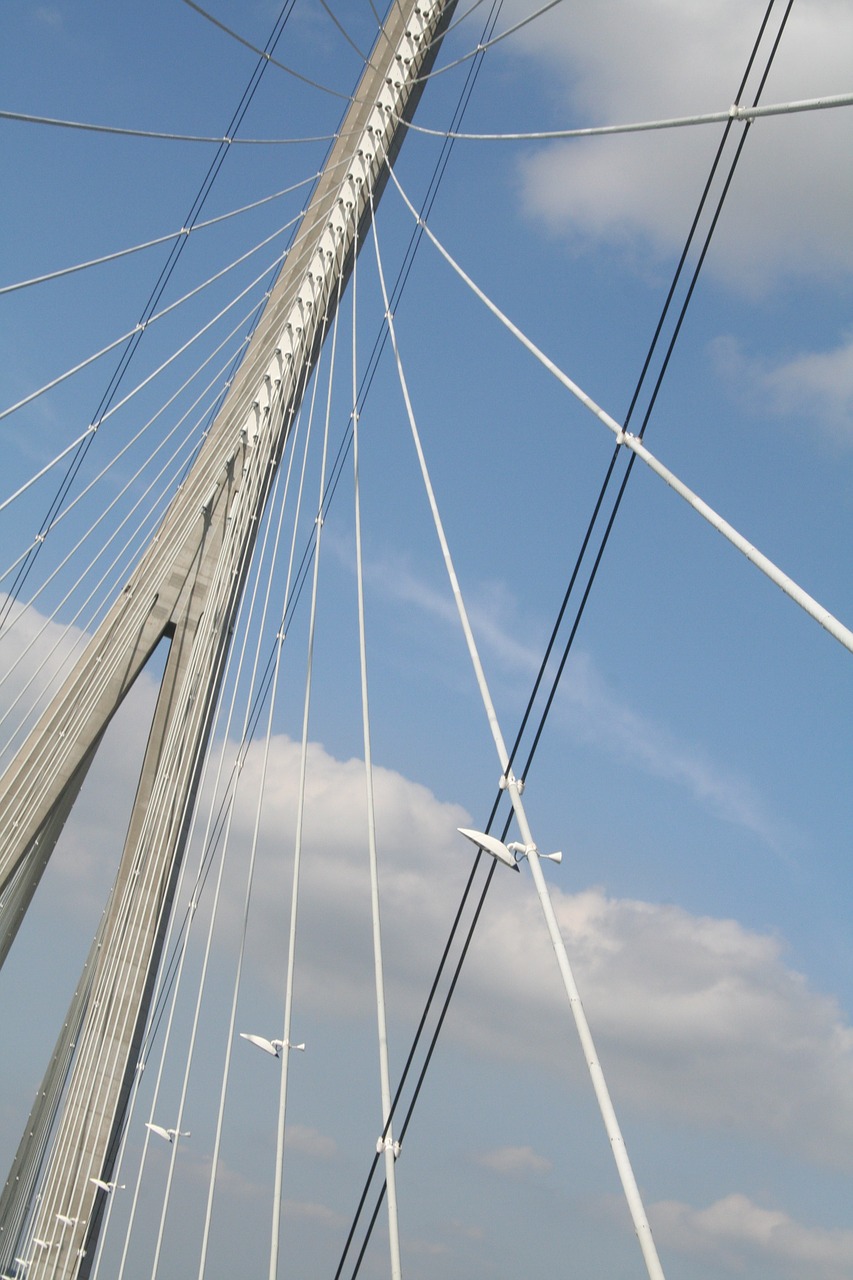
{"x": 742, "y": 1235}
{"x": 621, "y": 63}
{"x": 698, "y": 1019}
{"x": 813, "y": 385}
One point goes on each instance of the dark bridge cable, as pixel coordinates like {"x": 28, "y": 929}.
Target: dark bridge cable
{"x": 307, "y": 556}
{"x": 655, "y": 391}
{"x": 573, "y": 579}
{"x": 638, "y": 388}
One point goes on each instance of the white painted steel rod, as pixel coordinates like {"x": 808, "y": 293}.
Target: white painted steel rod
{"x": 801, "y": 597}
{"x": 735, "y": 112}
{"x": 386, "y": 1138}
{"x": 599, "y": 1084}
{"x": 300, "y": 817}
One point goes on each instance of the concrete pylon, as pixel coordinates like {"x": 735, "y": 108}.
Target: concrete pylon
{"x": 186, "y": 588}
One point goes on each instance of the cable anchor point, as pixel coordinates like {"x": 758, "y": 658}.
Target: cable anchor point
{"x": 524, "y": 851}
{"x": 385, "y": 1144}
{"x": 508, "y": 779}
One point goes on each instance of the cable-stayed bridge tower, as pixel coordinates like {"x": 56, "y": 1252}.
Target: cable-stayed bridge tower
{"x": 186, "y": 589}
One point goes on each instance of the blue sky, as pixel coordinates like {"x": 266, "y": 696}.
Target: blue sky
{"x": 695, "y": 767}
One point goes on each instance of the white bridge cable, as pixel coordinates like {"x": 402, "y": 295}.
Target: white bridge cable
{"x": 346, "y": 35}
{"x": 164, "y": 239}
{"x": 134, "y": 617}
{"x": 300, "y": 799}
{"x": 140, "y": 606}
{"x": 229, "y": 1042}
{"x": 243, "y": 625}
{"x": 734, "y": 112}
{"x": 201, "y": 987}
{"x": 386, "y": 1139}
{"x": 7, "y": 502}
{"x": 305, "y": 251}
{"x": 281, "y": 635}
{"x": 23, "y": 117}
{"x": 792, "y": 589}
{"x": 242, "y": 749}
{"x": 215, "y": 384}
{"x": 189, "y": 439}
{"x": 268, "y": 58}
{"x": 158, "y": 315}
{"x": 140, "y": 876}
{"x": 487, "y": 44}
{"x": 511, "y": 785}
{"x": 175, "y": 742}
{"x": 182, "y": 454}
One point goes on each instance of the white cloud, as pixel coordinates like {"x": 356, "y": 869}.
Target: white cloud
{"x": 514, "y": 1161}
{"x": 589, "y": 705}
{"x": 788, "y": 211}
{"x": 738, "y": 1232}
{"x": 698, "y": 1019}
{"x": 596, "y": 712}
{"x": 311, "y": 1142}
{"x": 36, "y": 654}
{"x": 310, "y": 1211}
{"x": 49, "y": 16}
{"x": 817, "y": 385}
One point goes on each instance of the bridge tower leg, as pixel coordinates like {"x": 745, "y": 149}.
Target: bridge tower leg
{"x": 186, "y": 589}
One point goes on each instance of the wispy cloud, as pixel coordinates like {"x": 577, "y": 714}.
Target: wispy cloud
{"x": 311, "y": 1211}
{"x": 620, "y": 62}
{"x": 48, "y": 15}
{"x": 514, "y": 1161}
{"x": 739, "y": 1232}
{"x": 701, "y": 1019}
{"x": 588, "y": 705}
{"x": 815, "y": 385}
{"x": 311, "y": 1142}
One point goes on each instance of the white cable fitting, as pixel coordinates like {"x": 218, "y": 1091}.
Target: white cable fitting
{"x": 385, "y": 1144}
{"x": 506, "y": 781}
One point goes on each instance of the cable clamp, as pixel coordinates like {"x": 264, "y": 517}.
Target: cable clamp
{"x": 385, "y": 1144}
{"x": 525, "y": 850}
{"x": 507, "y": 780}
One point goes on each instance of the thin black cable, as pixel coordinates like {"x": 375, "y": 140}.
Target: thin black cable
{"x": 587, "y": 591}
{"x": 659, "y": 380}
{"x": 307, "y": 555}
{"x": 129, "y": 350}
{"x": 376, "y": 353}
{"x": 638, "y": 387}
{"x": 395, "y": 296}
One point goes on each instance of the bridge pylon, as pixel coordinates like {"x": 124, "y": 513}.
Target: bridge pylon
{"x": 186, "y": 590}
